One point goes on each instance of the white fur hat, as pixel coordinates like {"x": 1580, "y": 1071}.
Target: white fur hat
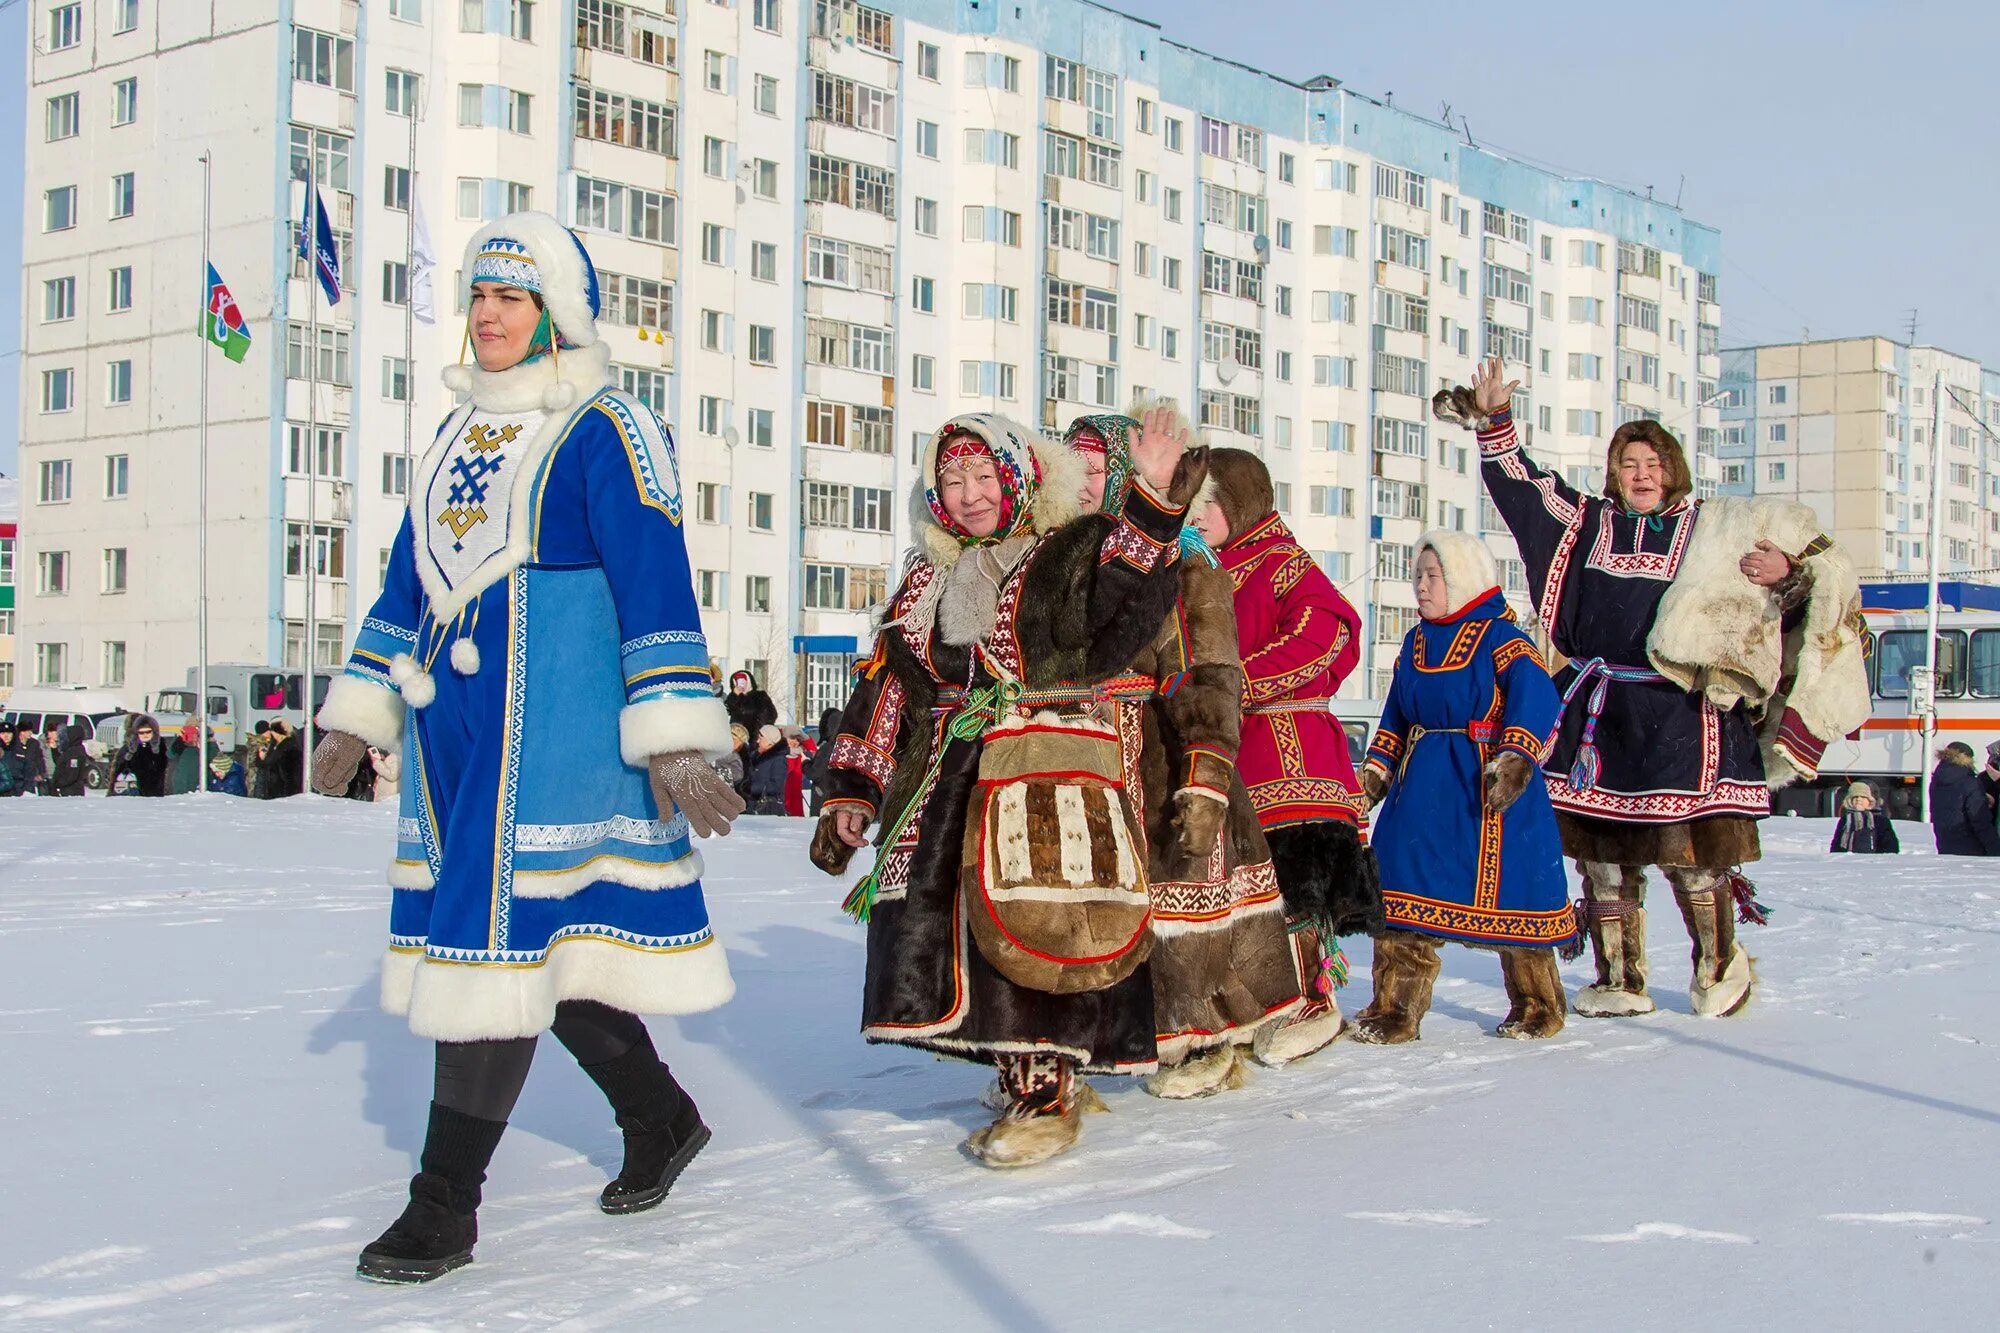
{"x": 1469, "y": 571}
{"x": 535, "y": 252}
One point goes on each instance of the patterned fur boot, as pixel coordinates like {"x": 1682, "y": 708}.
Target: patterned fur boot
{"x": 1218, "y": 1069}
{"x": 1044, "y": 1116}
{"x": 1534, "y": 994}
{"x": 1318, "y": 1023}
{"x": 1723, "y": 976}
{"x": 1406, "y": 966}
{"x": 1617, "y": 923}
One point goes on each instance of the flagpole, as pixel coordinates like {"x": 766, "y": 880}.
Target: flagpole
{"x": 309, "y": 551}
{"x": 201, "y": 486}
{"x": 409, "y": 302}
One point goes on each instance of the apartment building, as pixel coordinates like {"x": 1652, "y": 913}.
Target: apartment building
{"x": 824, "y": 228}
{"x": 1845, "y": 425}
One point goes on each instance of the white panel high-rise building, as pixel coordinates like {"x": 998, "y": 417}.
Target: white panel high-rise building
{"x": 823, "y": 228}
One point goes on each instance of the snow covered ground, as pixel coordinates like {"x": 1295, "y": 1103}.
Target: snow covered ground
{"x": 203, "y": 1117}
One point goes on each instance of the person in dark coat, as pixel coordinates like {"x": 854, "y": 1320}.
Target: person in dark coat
{"x": 52, "y": 742}
{"x": 1959, "y": 814}
{"x": 749, "y": 707}
{"x": 225, "y": 775}
{"x": 745, "y": 753}
{"x": 768, "y": 771}
{"x": 1864, "y": 825}
{"x": 285, "y": 766}
{"x": 829, "y": 728}
{"x": 144, "y": 757}
{"x": 70, "y": 775}
{"x": 19, "y": 771}
{"x": 1989, "y": 779}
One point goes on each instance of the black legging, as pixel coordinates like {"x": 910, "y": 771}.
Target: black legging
{"x": 484, "y": 1078}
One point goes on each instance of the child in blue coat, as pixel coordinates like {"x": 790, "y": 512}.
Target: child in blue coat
{"x": 1465, "y": 836}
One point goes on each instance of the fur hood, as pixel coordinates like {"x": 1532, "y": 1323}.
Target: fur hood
{"x": 1242, "y": 486}
{"x": 567, "y": 282}
{"x": 1469, "y": 572}
{"x": 1051, "y": 502}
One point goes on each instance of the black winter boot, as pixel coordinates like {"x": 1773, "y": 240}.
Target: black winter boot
{"x": 663, "y": 1130}
{"x": 437, "y": 1230}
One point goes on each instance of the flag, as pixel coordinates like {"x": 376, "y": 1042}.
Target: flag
{"x": 321, "y": 252}
{"x": 224, "y": 325}
{"x": 423, "y": 305}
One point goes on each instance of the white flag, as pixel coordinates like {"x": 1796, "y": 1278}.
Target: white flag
{"x": 422, "y": 260}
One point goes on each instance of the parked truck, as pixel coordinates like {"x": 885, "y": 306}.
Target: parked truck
{"x": 240, "y": 695}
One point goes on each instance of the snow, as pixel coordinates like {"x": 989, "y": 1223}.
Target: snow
{"x": 205, "y": 1117}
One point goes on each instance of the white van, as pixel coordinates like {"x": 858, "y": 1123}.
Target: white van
{"x": 100, "y": 714}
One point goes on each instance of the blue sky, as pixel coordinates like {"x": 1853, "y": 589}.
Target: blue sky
{"x": 1847, "y": 151}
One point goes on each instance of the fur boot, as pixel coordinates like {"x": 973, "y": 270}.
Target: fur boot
{"x": 1318, "y": 1023}
{"x": 663, "y": 1130}
{"x": 1405, "y": 968}
{"x": 1534, "y": 994}
{"x": 996, "y": 1100}
{"x": 439, "y": 1227}
{"x": 1218, "y": 1069}
{"x": 1723, "y": 977}
{"x": 1044, "y": 1116}
{"x": 1617, "y": 922}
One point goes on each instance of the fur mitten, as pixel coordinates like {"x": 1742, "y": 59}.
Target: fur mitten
{"x": 1506, "y": 778}
{"x": 1198, "y": 819}
{"x": 828, "y": 851}
{"x": 1373, "y": 786}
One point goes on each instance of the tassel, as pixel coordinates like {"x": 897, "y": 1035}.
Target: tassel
{"x": 1583, "y": 774}
{"x": 1194, "y": 546}
{"x": 1334, "y": 969}
{"x": 1572, "y": 948}
{"x": 1749, "y": 911}
{"x": 860, "y": 904}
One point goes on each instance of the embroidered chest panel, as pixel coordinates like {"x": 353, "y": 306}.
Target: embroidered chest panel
{"x": 1464, "y": 643}
{"x": 1628, "y": 546}
{"x": 466, "y": 518}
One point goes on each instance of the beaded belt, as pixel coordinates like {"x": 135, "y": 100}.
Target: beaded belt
{"x": 952, "y": 698}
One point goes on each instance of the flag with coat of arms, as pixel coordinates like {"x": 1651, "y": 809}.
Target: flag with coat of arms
{"x": 224, "y": 325}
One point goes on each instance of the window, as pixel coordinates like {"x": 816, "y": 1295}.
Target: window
{"x": 1776, "y": 434}
{"x": 714, "y": 157}
{"x": 711, "y": 415}
{"x": 1170, "y": 204}
{"x": 58, "y": 299}
{"x": 709, "y": 505}
{"x": 65, "y": 26}
{"x": 1585, "y": 366}
{"x": 763, "y": 261}
{"x": 643, "y": 215}
{"x": 331, "y": 453}
{"x": 1333, "y": 372}
{"x": 1774, "y": 472}
{"x": 1399, "y": 374}
{"x": 61, "y": 119}
{"x": 331, "y": 362}
{"x": 714, "y": 331}
{"x": 124, "y": 195}
{"x": 826, "y": 587}
{"x": 59, "y": 208}
{"x": 54, "y": 476}
{"x": 395, "y": 379}
{"x": 757, "y": 594}
{"x": 763, "y": 345}
{"x": 50, "y": 658}
{"x": 1582, "y": 422}
{"x": 645, "y": 303}
{"x": 118, "y": 289}
{"x": 124, "y": 17}
{"x": 400, "y": 94}
{"x": 58, "y": 389}
{"x": 1777, "y": 394}
{"x": 926, "y": 217}
{"x": 634, "y": 122}
{"x": 118, "y": 382}
{"x": 395, "y": 283}
{"x": 323, "y": 59}
{"x": 715, "y": 71}
{"x": 114, "y": 569}
{"x": 764, "y": 15}
{"x": 53, "y": 567}
{"x": 766, "y": 95}
{"x": 927, "y": 139}
{"x": 117, "y": 476}
{"x": 762, "y": 506}
{"x": 927, "y": 61}
{"x": 324, "y": 158}
{"x": 991, "y": 71}
{"x": 1406, "y": 186}
{"x": 923, "y": 295}
{"x": 711, "y": 588}
{"x": 1393, "y": 560}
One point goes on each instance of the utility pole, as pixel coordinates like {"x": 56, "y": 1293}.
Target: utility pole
{"x": 1932, "y": 526}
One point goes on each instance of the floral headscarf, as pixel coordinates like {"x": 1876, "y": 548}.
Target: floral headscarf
{"x": 980, "y": 436}
{"x": 1111, "y": 435}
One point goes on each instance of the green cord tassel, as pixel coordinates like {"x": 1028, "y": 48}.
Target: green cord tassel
{"x": 983, "y": 709}
{"x": 1336, "y": 967}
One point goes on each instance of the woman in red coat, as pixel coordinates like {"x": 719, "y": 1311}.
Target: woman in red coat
{"x": 1300, "y": 639}
{"x": 797, "y": 751}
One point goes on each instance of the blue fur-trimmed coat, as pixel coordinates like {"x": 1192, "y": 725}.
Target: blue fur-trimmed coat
{"x": 1466, "y": 691}
{"x": 539, "y": 618}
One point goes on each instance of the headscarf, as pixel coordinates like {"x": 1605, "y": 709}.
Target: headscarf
{"x": 1111, "y": 434}
{"x": 978, "y": 436}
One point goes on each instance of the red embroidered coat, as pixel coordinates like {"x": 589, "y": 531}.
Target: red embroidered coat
{"x": 1300, "y": 639}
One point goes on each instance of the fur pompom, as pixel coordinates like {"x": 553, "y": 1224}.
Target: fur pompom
{"x": 459, "y": 380}
{"x": 465, "y": 657}
{"x": 403, "y": 669}
{"x": 416, "y": 685}
{"x": 559, "y": 396}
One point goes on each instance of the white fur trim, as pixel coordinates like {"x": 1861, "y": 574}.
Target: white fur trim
{"x": 410, "y": 875}
{"x": 610, "y": 870}
{"x": 363, "y": 708}
{"x": 1203, "y": 793}
{"x": 470, "y": 1002}
{"x": 551, "y": 383}
{"x": 670, "y": 726}
{"x": 560, "y": 263}
{"x": 1281, "y": 1043}
{"x": 1468, "y": 566}
{"x": 1055, "y": 503}
{"x": 585, "y": 368}
{"x": 1210, "y": 1071}
{"x": 1730, "y": 992}
{"x": 465, "y": 657}
{"x": 1604, "y": 1002}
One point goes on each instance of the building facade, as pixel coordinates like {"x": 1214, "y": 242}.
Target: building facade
{"x": 824, "y": 227}
{"x": 1845, "y": 425}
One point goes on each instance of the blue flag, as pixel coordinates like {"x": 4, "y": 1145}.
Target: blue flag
{"x": 325, "y": 258}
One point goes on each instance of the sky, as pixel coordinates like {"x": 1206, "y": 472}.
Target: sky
{"x": 1846, "y": 151}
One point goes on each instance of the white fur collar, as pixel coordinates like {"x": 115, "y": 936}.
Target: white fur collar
{"x": 1055, "y": 502}
{"x": 551, "y": 383}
